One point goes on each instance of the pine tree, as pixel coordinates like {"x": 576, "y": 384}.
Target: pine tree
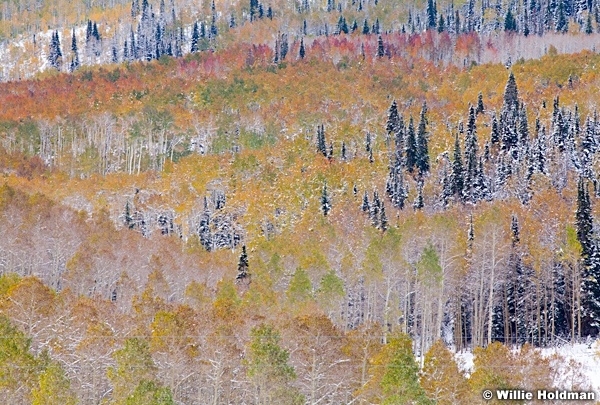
{"x": 213, "y": 24}
{"x": 457, "y": 181}
{"x": 471, "y": 158}
{"x": 55, "y": 54}
{"x": 495, "y": 134}
{"x": 392, "y": 125}
{"x": 195, "y": 38}
{"x": 588, "y": 25}
{"x": 243, "y": 265}
{"x": 588, "y": 147}
{"x": 514, "y": 227}
{"x": 422, "y": 161}
{"x": 380, "y": 48}
{"x": 325, "y": 200}
{"x": 375, "y": 211}
{"x": 75, "y": 61}
{"x": 411, "y": 147}
{"x": 343, "y": 152}
{"x": 342, "y": 25}
{"x": 510, "y": 24}
{"x": 419, "y": 201}
{"x": 431, "y": 14}
{"x": 561, "y": 24}
{"x": 321, "y": 144}
{"x": 511, "y": 94}
{"x": 128, "y": 218}
{"x": 480, "y": 107}
{"x": 383, "y": 221}
{"x": 590, "y": 258}
{"x": 584, "y": 220}
{"x": 365, "y": 30}
{"x": 441, "y": 27}
{"x": 365, "y": 207}
{"x": 301, "y": 52}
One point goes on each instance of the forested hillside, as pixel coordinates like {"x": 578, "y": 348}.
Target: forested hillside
{"x": 280, "y": 203}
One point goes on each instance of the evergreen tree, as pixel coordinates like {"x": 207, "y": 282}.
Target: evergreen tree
{"x": 411, "y": 147}
{"x": 514, "y": 227}
{"x": 55, "y": 54}
{"x": 511, "y": 94}
{"x": 204, "y": 228}
{"x": 480, "y": 107}
{"x": 431, "y": 14}
{"x": 375, "y": 211}
{"x": 365, "y": 30}
{"x": 380, "y": 48}
{"x": 302, "y": 52}
{"x": 541, "y": 151}
{"x": 342, "y": 25}
{"x": 213, "y": 24}
{"x": 365, "y": 207}
{"x": 509, "y": 116}
{"x": 457, "y": 171}
{"x": 588, "y": 147}
{"x": 588, "y": 25}
{"x": 591, "y": 260}
{"x": 584, "y": 221}
{"x": 561, "y": 23}
{"x": 195, "y": 38}
{"x": 343, "y": 152}
{"x": 321, "y": 144}
{"x": 441, "y": 27}
{"x": 471, "y": 158}
{"x": 75, "y": 62}
{"x": 128, "y": 218}
{"x": 383, "y": 221}
{"x": 243, "y": 265}
{"x": 422, "y": 161}
{"x": 510, "y": 24}
{"x": 393, "y": 123}
{"x": 325, "y": 200}
{"x": 419, "y": 201}
{"x": 495, "y": 135}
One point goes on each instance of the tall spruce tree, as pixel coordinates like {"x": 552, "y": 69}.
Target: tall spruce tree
{"x": 422, "y": 161}
{"x": 55, "y": 54}
{"x": 411, "y": 147}
{"x": 243, "y": 265}
{"x": 195, "y": 38}
{"x": 431, "y": 14}
{"x": 75, "y": 61}
{"x": 380, "y": 48}
{"x": 325, "y": 200}
{"x": 321, "y": 144}
{"x": 393, "y": 123}
{"x": 458, "y": 180}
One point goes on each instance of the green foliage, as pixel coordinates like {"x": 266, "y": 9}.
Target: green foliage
{"x": 7, "y": 281}
{"x": 428, "y": 267}
{"x": 134, "y": 365}
{"x": 300, "y": 288}
{"x": 18, "y": 366}
{"x": 150, "y": 393}
{"x": 400, "y": 381}
{"x": 268, "y": 368}
{"x": 54, "y": 388}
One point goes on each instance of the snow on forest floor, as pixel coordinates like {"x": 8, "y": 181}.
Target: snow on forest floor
{"x": 581, "y": 364}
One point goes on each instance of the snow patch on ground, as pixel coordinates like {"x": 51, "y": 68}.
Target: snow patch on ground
{"x": 580, "y": 358}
